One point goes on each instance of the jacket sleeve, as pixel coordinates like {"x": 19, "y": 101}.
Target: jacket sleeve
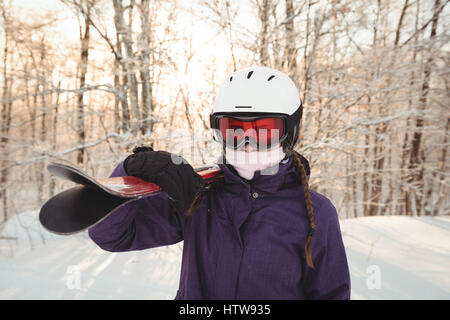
{"x": 145, "y": 223}
{"x": 330, "y": 278}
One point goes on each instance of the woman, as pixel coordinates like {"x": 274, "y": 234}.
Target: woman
{"x": 260, "y": 233}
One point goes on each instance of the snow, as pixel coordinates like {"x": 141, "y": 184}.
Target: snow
{"x": 390, "y": 257}
{"x": 412, "y": 256}
{"x": 41, "y": 265}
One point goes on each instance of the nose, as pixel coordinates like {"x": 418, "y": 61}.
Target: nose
{"x": 249, "y": 147}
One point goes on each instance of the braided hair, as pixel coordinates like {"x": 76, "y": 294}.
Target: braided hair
{"x": 309, "y": 208}
{"x": 196, "y": 202}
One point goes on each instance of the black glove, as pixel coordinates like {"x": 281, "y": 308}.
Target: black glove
{"x": 172, "y": 173}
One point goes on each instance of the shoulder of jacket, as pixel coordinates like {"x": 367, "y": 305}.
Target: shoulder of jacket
{"x": 324, "y": 210}
{"x": 318, "y": 199}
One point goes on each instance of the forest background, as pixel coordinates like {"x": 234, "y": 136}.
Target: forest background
{"x": 84, "y": 82}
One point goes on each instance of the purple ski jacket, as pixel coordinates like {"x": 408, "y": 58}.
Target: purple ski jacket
{"x": 245, "y": 241}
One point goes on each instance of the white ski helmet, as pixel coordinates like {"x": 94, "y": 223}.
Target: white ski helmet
{"x": 260, "y": 91}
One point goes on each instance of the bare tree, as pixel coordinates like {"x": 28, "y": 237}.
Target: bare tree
{"x": 84, "y": 59}
{"x": 264, "y": 8}
{"x": 144, "y": 44}
{"x": 290, "y": 50}
{"x": 125, "y": 38}
{"x": 6, "y": 108}
{"x": 417, "y": 155}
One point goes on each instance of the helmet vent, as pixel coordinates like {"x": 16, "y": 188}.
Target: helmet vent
{"x": 249, "y": 74}
{"x": 271, "y": 77}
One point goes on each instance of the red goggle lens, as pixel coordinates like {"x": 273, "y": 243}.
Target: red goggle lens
{"x": 264, "y": 131}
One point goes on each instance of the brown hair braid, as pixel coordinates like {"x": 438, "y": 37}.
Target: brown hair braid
{"x": 195, "y": 203}
{"x": 309, "y": 208}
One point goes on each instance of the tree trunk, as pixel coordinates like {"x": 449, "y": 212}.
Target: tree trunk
{"x": 263, "y": 13}
{"x": 443, "y": 168}
{"x": 124, "y": 36}
{"x": 129, "y": 83}
{"x": 144, "y": 58}
{"x": 84, "y": 58}
{"x": 55, "y": 134}
{"x": 417, "y": 156}
{"x": 305, "y": 55}
{"x": 367, "y": 185}
{"x": 5, "y": 121}
{"x": 290, "y": 55}
{"x": 378, "y": 157}
{"x": 406, "y": 148}
{"x": 391, "y": 202}
{"x": 44, "y": 122}
{"x": 117, "y": 100}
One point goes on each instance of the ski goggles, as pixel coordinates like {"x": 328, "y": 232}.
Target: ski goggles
{"x": 260, "y": 131}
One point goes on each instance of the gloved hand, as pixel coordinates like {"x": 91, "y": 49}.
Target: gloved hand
{"x": 172, "y": 173}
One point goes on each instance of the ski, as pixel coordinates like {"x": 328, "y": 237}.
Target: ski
{"x": 93, "y": 199}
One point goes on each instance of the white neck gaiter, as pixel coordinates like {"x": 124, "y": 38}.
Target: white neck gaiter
{"x": 246, "y": 163}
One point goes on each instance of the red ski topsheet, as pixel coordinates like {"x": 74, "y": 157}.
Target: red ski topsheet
{"x": 127, "y": 186}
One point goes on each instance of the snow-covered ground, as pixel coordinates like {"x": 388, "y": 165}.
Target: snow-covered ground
{"x": 390, "y": 258}
{"x": 398, "y": 257}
